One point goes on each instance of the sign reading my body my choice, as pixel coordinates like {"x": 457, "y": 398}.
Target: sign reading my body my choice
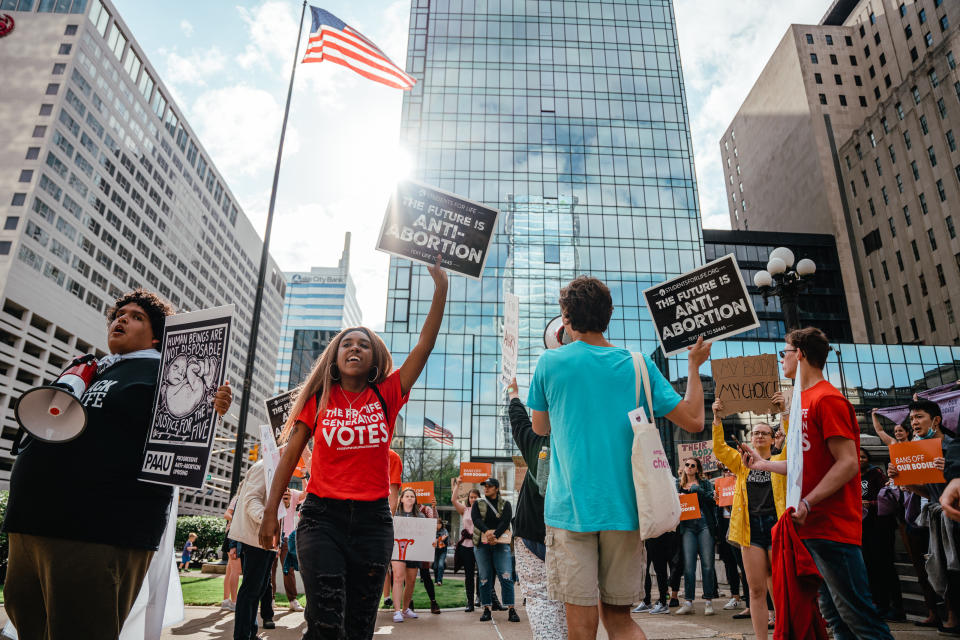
{"x": 423, "y": 221}
{"x": 710, "y": 301}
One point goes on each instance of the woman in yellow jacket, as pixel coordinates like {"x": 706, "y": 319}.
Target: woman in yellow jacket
{"x": 758, "y": 501}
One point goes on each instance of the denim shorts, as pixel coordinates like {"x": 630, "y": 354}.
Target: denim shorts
{"x": 761, "y": 531}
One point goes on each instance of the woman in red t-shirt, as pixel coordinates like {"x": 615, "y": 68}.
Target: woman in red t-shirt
{"x": 348, "y": 405}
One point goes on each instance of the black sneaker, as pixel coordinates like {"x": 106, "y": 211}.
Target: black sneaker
{"x": 268, "y": 623}
{"x": 388, "y": 603}
{"x": 486, "y": 615}
{"x": 513, "y": 617}
{"x": 469, "y": 609}
{"x": 674, "y": 602}
{"x": 434, "y": 607}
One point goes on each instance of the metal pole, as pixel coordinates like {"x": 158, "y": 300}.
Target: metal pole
{"x": 261, "y": 277}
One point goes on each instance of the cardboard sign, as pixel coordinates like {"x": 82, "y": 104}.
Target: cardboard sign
{"x": 424, "y": 490}
{"x": 746, "y": 383}
{"x": 193, "y": 365}
{"x": 710, "y": 301}
{"x": 413, "y": 539}
{"x": 689, "y": 506}
{"x": 511, "y": 338}
{"x": 703, "y": 451}
{"x": 475, "y": 471}
{"x": 278, "y": 410}
{"x": 725, "y": 488}
{"x": 423, "y": 221}
{"x": 914, "y": 462}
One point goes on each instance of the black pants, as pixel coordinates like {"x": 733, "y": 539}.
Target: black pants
{"x": 344, "y": 548}
{"x": 256, "y": 563}
{"x": 729, "y": 558}
{"x": 469, "y": 572}
{"x": 676, "y": 562}
{"x": 878, "y": 556}
{"x": 659, "y": 551}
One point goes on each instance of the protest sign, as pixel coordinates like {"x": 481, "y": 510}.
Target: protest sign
{"x": 947, "y": 398}
{"x": 475, "y": 471}
{"x": 511, "y": 338}
{"x": 703, "y": 451}
{"x": 193, "y": 361}
{"x": 423, "y": 221}
{"x": 424, "y": 490}
{"x": 725, "y": 488}
{"x": 413, "y": 539}
{"x": 710, "y": 301}
{"x": 689, "y": 506}
{"x": 271, "y": 460}
{"x": 278, "y": 410}
{"x": 795, "y": 446}
{"x": 746, "y": 383}
{"x": 914, "y": 461}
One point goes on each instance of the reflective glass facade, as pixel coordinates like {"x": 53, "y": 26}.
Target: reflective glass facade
{"x": 569, "y": 116}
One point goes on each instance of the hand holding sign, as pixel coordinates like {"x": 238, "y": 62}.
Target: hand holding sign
{"x": 689, "y": 506}
{"x": 918, "y": 462}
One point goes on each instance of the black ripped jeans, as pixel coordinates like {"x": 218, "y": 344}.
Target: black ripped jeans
{"x": 344, "y": 548}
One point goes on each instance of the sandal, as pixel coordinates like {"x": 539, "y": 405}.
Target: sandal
{"x": 742, "y": 615}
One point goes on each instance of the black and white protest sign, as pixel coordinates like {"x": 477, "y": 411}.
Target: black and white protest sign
{"x": 278, "y": 410}
{"x": 710, "y": 301}
{"x": 194, "y": 353}
{"x": 424, "y": 221}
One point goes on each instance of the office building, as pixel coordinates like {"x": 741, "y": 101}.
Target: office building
{"x": 318, "y": 304}
{"x": 822, "y": 305}
{"x": 849, "y": 130}
{"x": 570, "y": 118}
{"x": 106, "y": 188}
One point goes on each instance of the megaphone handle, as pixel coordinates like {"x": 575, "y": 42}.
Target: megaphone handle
{"x": 15, "y": 447}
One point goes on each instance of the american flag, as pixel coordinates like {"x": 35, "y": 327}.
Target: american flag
{"x": 432, "y": 430}
{"x": 334, "y": 40}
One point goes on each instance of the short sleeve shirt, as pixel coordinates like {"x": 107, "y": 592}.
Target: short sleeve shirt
{"x": 588, "y": 391}
{"x": 352, "y": 440}
{"x": 827, "y": 414}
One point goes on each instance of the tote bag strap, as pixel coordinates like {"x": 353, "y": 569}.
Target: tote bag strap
{"x": 643, "y": 380}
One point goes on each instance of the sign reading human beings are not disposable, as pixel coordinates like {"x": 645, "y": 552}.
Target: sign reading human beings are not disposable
{"x": 423, "y": 221}
{"x": 711, "y": 301}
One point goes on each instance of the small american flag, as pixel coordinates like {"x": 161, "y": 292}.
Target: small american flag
{"x": 334, "y": 40}
{"x": 432, "y": 430}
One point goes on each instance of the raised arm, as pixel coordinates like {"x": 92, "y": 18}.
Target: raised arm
{"x": 723, "y": 452}
{"x": 883, "y": 435}
{"x": 689, "y": 414}
{"x": 270, "y": 527}
{"x": 454, "y": 490}
{"x": 417, "y": 360}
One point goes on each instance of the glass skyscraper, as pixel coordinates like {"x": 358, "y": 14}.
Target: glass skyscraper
{"x": 570, "y": 117}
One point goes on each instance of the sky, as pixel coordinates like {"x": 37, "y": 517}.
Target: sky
{"x": 227, "y": 65}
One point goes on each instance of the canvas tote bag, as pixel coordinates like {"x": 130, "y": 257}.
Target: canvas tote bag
{"x": 658, "y": 505}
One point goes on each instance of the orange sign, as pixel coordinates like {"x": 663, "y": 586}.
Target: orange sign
{"x": 725, "y": 488}
{"x": 689, "y": 506}
{"x": 914, "y": 462}
{"x": 301, "y": 469}
{"x": 475, "y": 471}
{"x": 424, "y": 490}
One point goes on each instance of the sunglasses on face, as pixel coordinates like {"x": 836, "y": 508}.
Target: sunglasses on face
{"x": 783, "y": 354}
{"x": 690, "y": 465}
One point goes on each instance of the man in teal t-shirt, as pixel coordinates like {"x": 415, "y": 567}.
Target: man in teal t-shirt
{"x": 581, "y": 394}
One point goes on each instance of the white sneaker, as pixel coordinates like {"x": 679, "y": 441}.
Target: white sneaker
{"x": 295, "y": 605}
{"x": 643, "y": 607}
{"x": 708, "y": 608}
{"x": 398, "y": 616}
{"x": 684, "y": 610}
{"x": 225, "y": 605}
{"x": 732, "y": 604}
{"x": 410, "y": 613}
{"x": 659, "y": 608}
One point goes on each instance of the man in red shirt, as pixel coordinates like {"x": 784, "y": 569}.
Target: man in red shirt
{"x": 828, "y": 517}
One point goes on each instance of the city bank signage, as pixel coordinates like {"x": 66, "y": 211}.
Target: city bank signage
{"x": 298, "y": 278}
{"x": 6, "y": 24}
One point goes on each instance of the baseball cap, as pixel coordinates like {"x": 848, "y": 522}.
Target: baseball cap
{"x": 491, "y": 482}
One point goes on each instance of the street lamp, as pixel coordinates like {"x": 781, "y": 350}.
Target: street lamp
{"x": 787, "y": 283}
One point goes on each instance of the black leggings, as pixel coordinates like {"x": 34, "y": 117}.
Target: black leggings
{"x": 469, "y": 572}
{"x": 659, "y": 551}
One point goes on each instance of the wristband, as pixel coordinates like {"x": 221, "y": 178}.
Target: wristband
{"x": 804, "y": 501}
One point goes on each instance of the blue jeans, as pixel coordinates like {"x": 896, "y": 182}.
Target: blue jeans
{"x": 495, "y": 558}
{"x": 439, "y": 563}
{"x": 697, "y": 540}
{"x": 845, "y": 600}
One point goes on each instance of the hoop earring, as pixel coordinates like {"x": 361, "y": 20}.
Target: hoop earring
{"x": 374, "y": 377}
{"x": 334, "y": 372}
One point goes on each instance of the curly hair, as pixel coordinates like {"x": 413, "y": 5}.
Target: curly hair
{"x": 587, "y": 304}
{"x": 156, "y": 308}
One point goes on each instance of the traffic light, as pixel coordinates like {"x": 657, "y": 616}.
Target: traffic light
{"x": 254, "y": 453}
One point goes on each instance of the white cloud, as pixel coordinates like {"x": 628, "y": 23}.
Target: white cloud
{"x": 273, "y": 33}
{"x": 186, "y": 28}
{"x": 195, "y": 68}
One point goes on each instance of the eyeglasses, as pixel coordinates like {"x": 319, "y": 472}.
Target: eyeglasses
{"x": 783, "y": 354}
{"x": 757, "y": 434}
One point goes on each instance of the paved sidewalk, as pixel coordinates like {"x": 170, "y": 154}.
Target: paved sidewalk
{"x": 208, "y": 623}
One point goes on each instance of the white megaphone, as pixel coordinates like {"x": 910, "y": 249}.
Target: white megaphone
{"x": 54, "y": 413}
{"x": 554, "y": 335}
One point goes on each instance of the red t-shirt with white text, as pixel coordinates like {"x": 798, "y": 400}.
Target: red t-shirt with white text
{"x": 351, "y": 441}
{"x": 827, "y": 414}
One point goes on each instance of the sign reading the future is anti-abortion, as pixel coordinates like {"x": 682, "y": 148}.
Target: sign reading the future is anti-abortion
{"x": 192, "y": 367}
{"x": 710, "y": 301}
{"x": 423, "y": 222}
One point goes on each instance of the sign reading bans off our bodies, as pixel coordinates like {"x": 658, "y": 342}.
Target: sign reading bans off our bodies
{"x": 423, "y": 221}
{"x": 710, "y": 301}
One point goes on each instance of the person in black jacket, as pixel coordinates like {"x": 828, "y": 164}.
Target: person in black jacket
{"x": 548, "y": 619}
{"x": 491, "y": 520}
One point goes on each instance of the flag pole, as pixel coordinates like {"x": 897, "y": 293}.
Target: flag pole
{"x": 261, "y": 277}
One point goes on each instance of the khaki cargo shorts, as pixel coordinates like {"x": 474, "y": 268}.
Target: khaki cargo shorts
{"x": 583, "y": 566}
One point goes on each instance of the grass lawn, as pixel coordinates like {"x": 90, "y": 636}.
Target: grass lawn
{"x": 207, "y": 589}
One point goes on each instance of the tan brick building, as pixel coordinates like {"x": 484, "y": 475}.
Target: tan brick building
{"x": 799, "y": 156}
